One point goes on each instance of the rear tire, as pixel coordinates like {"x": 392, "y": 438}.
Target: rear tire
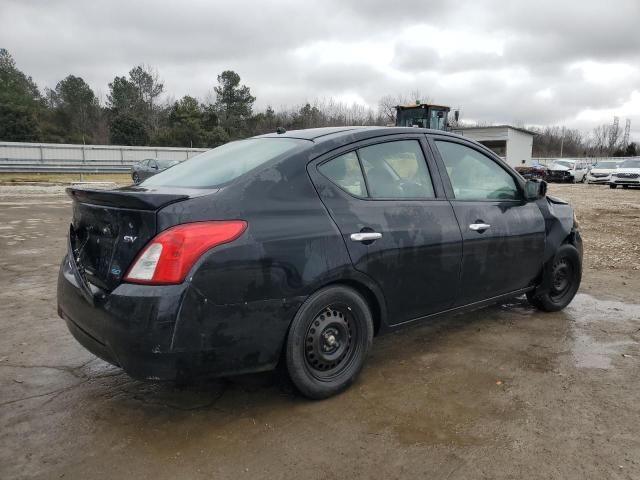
{"x": 564, "y": 279}
{"x": 625, "y": 186}
{"x": 328, "y": 341}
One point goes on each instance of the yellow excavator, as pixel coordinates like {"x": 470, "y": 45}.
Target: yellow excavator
{"x": 423, "y": 115}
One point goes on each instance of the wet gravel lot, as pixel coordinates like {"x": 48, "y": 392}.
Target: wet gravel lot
{"x": 504, "y": 392}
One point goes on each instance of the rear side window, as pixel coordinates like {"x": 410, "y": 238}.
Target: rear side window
{"x": 396, "y": 170}
{"x": 345, "y": 172}
{"x": 475, "y": 176}
{"x": 391, "y": 170}
{"x": 224, "y": 164}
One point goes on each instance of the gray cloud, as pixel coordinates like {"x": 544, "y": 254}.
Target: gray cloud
{"x": 499, "y": 61}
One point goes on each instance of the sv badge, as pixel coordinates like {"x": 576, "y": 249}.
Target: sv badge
{"x": 129, "y": 238}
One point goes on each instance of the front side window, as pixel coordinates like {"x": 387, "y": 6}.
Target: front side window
{"x": 345, "y": 172}
{"x": 396, "y": 170}
{"x": 223, "y": 164}
{"x": 475, "y": 176}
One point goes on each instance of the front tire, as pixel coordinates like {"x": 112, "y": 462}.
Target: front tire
{"x": 328, "y": 341}
{"x": 612, "y": 185}
{"x": 564, "y": 278}
{"x": 136, "y": 178}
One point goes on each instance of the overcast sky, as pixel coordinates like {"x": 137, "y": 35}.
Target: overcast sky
{"x": 575, "y": 62}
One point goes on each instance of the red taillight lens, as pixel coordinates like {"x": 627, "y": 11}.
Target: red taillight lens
{"x": 170, "y": 255}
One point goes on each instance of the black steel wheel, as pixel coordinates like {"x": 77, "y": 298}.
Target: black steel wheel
{"x": 328, "y": 341}
{"x": 561, "y": 278}
{"x": 562, "y": 281}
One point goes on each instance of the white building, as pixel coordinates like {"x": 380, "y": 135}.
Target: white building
{"x": 513, "y": 144}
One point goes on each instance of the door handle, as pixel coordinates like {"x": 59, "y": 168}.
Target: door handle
{"x": 476, "y": 227}
{"x": 365, "y": 236}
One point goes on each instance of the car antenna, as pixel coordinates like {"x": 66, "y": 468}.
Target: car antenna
{"x": 280, "y": 130}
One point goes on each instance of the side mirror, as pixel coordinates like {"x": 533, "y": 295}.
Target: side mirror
{"x": 535, "y": 189}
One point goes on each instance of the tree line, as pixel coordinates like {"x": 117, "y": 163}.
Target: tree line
{"x": 137, "y": 112}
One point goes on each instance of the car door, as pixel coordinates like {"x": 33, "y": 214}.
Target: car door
{"x": 141, "y": 167}
{"x": 583, "y": 170}
{"x": 503, "y": 234}
{"x": 577, "y": 172}
{"x": 397, "y": 225}
{"x": 152, "y": 169}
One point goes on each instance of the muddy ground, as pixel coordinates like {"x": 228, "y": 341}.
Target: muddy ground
{"x": 505, "y": 392}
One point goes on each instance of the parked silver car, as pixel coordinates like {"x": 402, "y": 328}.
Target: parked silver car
{"x": 601, "y": 172}
{"x": 627, "y": 174}
{"x": 149, "y": 167}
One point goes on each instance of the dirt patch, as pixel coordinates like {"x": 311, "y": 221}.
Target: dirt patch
{"x": 610, "y": 221}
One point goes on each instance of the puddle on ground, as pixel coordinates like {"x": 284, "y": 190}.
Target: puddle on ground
{"x": 603, "y": 330}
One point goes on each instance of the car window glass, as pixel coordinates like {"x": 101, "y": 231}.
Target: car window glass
{"x": 345, "y": 172}
{"x": 396, "y": 170}
{"x": 224, "y": 164}
{"x": 475, "y": 176}
{"x": 145, "y": 163}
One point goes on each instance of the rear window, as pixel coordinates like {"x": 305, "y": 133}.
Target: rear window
{"x": 224, "y": 164}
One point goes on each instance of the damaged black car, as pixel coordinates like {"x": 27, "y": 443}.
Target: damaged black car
{"x": 298, "y": 248}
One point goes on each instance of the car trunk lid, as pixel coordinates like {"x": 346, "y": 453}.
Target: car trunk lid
{"x": 110, "y": 227}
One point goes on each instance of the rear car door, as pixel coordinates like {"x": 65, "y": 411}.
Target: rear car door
{"x": 503, "y": 234}
{"x": 397, "y": 225}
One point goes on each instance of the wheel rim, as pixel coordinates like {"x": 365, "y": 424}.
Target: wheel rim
{"x": 136, "y": 178}
{"x": 561, "y": 278}
{"x": 330, "y": 342}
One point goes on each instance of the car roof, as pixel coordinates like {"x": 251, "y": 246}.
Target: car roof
{"x": 318, "y": 135}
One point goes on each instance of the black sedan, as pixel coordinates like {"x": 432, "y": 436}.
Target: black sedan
{"x": 298, "y": 248}
{"x": 147, "y": 168}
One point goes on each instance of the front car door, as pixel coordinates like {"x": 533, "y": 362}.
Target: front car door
{"x": 503, "y": 234}
{"x": 152, "y": 169}
{"x": 400, "y": 230}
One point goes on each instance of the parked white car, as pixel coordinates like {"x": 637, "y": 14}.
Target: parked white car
{"x": 601, "y": 172}
{"x": 628, "y": 173}
{"x": 566, "y": 170}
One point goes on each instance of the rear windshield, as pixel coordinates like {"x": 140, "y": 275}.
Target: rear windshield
{"x": 223, "y": 164}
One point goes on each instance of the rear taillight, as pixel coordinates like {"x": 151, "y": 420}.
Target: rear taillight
{"x": 170, "y": 255}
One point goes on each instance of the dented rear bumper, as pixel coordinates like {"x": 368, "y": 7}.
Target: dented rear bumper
{"x": 171, "y": 331}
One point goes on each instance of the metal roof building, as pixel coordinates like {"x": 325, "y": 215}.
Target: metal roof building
{"x": 514, "y": 144}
